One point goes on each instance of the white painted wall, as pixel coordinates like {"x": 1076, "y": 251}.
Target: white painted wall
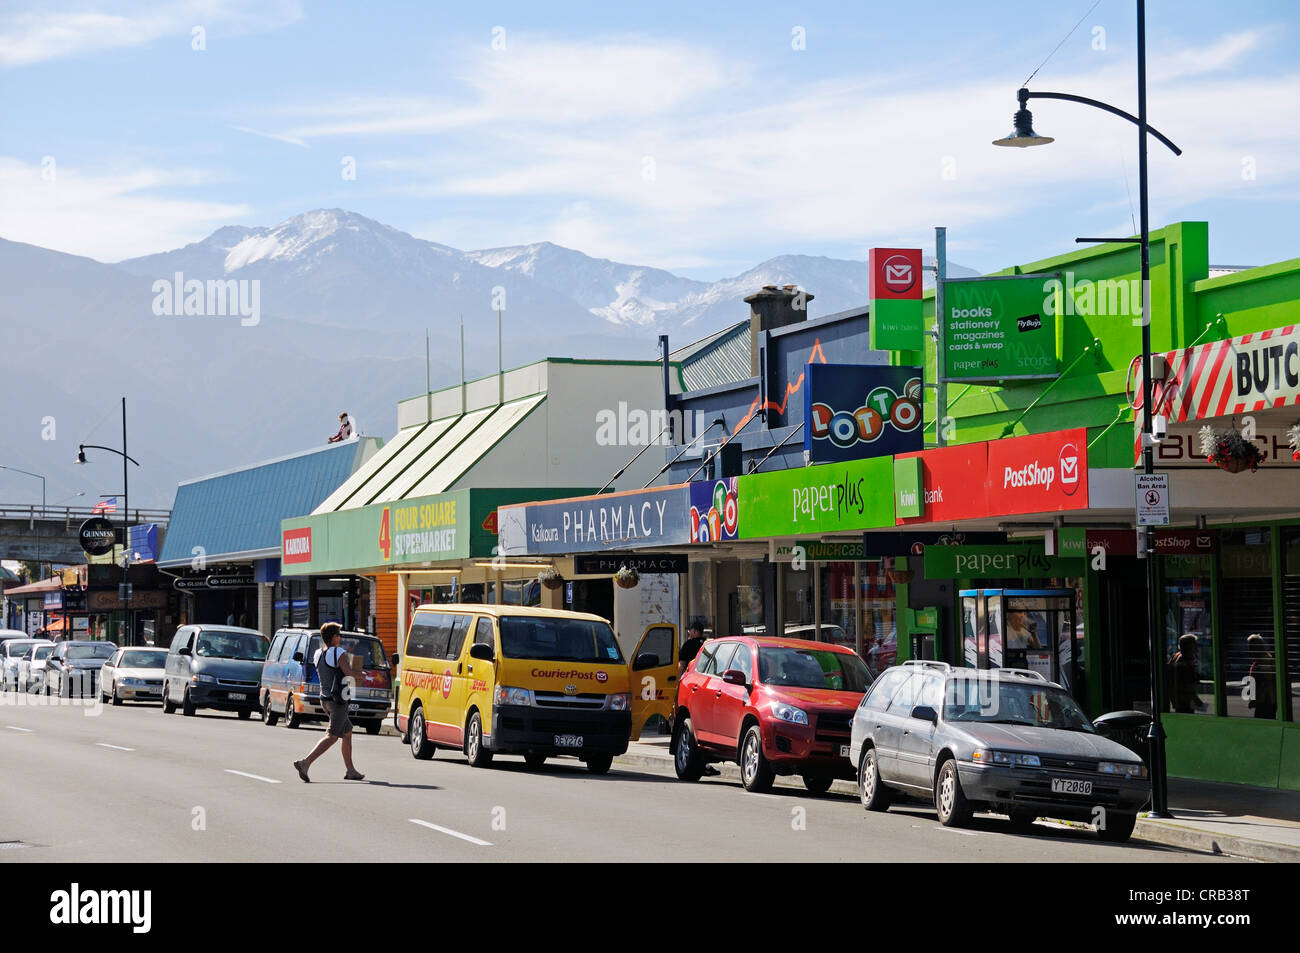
{"x": 655, "y": 599}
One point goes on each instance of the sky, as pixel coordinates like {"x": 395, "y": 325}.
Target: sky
{"x": 701, "y": 138}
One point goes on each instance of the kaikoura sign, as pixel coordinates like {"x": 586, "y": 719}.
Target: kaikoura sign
{"x": 596, "y": 523}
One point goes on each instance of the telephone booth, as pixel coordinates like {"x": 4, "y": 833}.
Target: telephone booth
{"x": 1033, "y": 629}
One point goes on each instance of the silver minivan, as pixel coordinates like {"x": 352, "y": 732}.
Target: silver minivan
{"x": 214, "y": 666}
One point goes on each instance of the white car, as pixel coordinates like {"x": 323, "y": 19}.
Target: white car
{"x": 133, "y": 674}
{"x": 31, "y": 667}
{"x": 11, "y": 654}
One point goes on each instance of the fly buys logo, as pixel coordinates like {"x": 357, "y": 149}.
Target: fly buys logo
{"x": 1034, "y": 474}
{"x": 77, "y": 907}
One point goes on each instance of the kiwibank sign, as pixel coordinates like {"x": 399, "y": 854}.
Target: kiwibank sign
{"x": 858, "y": 494}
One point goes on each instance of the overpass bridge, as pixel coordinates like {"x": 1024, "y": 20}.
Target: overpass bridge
{"x": 49, "y": 533}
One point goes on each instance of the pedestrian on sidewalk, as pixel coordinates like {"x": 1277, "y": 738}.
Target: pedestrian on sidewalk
{"x": 691, "y": 647}
{"x": 1263, "y": 674}
{"x": 330, "y": 660}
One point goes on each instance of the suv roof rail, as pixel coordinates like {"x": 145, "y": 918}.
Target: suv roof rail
{"x": 929, "y": 663}
{"x": 1023, "y": 673}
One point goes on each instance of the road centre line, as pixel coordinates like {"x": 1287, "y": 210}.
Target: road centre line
{"x": 26, "y": 731}
{"x": 104, "y": 744}
{"x": 447, "y": 830}
{"x": 255, "y": 777}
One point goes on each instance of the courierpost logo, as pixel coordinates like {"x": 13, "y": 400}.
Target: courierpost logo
{"x": 78, "y": 907}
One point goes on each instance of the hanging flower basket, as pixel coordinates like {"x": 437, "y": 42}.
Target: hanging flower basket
{"x": 549, "y": 578}
{"x": 1293, "y": 437}
{"x": 1229, "y": 450}
{"x": 901, "y": 576}
{"x": 626, "y": 577}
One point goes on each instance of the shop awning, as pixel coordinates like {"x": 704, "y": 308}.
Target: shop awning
{"x": 236, "y": 515}
{"x": 430, "y": 458}
{"x": 53, "y": 584}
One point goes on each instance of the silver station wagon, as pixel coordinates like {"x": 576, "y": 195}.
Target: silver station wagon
{"x": 1001, "y": 740}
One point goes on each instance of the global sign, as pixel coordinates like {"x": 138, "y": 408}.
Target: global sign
{"x": 97, "y": 536}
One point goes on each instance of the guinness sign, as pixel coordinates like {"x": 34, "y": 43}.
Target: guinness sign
{"x": 97, "y": 536}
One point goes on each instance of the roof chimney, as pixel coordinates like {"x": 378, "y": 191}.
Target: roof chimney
{"x": 773, "y": 308}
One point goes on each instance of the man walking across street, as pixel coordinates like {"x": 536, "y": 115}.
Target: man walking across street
{"x": 330, "y": 660}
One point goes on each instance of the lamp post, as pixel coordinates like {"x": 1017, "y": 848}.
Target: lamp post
{"x": 1023, "y": 135}
{"x": 40, "y": 543}
{"x": 126, "y": 502}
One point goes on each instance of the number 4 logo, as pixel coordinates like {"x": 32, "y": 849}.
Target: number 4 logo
{"x": 385, "y": 536}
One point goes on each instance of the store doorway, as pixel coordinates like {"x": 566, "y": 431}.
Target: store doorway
{"x": 1124, "y": 645}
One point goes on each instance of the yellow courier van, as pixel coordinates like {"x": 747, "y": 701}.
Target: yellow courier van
{"x": 496, "y": 679}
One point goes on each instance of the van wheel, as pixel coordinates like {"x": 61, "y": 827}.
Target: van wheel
{"x": 687, "y": 761}
{"x": 291, "y": 718}
{"x": 534, "y": 761}
{"x": 169, "y": 706}
{"x": 1119, "y": 827}
{"x": 269, "y": 715}
{"x": 421, "y": 746}
{"x": 187, "y": 707}
{"x": 871, "y": 790}
{"x": 755, "y": 771}
{"x": 372, "y": 727}
{"x": 245, "y": 714}
{"x": 479, "y": 756}
{"x": 599, "y": 763}
{"x": 949, "y": 799}
{"x": 817, "y": 783}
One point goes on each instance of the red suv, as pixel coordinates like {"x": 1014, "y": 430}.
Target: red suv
{"x": 775, "y": 706}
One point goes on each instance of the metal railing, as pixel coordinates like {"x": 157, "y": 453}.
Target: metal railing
{"x": 76, "y": 514}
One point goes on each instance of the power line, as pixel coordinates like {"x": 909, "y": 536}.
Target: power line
{"x": 1062, "y": 43}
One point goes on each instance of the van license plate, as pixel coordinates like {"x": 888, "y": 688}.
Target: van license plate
{"x": 237, "y": 697}
{"x": 844, "y": 751}
{"x": 353, "y": 708}
{"x": 1066, "y": 786}
{"x": 568, "y": 741}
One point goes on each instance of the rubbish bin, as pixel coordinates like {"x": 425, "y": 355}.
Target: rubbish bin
{"x": 1129, "y": 728}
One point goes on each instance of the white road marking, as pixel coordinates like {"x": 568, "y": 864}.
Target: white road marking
{"x": 26, "y": 731}
{"x": 255, "y": 777}
{"x": 448, "y": 830}
{"x": 103, "y": 744}
{"x": 953, "y": 830}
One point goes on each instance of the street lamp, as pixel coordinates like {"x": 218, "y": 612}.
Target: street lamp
{"x": 126, "y": 502}
{"x": 40, "y": 542}
{"x": 1023, "y": 135}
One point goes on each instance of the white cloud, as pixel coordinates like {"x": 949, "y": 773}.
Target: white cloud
{"x": 105, "y": 215}
{"x": 40, "y": 33}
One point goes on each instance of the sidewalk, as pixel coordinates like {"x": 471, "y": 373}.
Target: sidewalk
{"x": 1256, "y": 823}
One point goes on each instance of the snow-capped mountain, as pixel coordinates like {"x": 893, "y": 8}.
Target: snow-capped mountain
{"x": 344, "y": 305}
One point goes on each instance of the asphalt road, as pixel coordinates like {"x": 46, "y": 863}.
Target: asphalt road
{"x": 133, "y": 784}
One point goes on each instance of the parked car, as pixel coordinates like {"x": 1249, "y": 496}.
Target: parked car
{"x": 11, "y": 653}
{"x": 73, "y": 667}
{"x": 31, "y": 667}
{"x": 9, "y": 634}
{"x": 290, "y": 687}
{"x": 133, "y": 674}
{"x": 776, "y": 706}
{"x": 214, "y": 666}
{"x": 1003, "y": 740}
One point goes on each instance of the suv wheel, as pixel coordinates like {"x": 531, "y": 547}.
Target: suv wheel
{"x": 871, "y": 790}
{"x": 687, "y": 761}
{"x": 949, "y": 799}
{"x": 755, "y": 772}
{"x": 421, "y": 746}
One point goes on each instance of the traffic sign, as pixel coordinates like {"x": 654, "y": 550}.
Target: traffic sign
{"x": 1151, "y": 491}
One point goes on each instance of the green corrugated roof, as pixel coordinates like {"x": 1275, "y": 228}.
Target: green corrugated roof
{"x": 720, "y": 358}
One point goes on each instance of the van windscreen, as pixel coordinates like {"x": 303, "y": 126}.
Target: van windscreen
{"x": 558, "y": 640}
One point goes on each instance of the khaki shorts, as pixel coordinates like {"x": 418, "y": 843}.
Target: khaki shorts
{"x": 340, "y": 726}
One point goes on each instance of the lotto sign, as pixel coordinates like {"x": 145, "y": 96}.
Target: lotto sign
{"x": 861, "y": 410}
{"x": 895, "y": 286}
{"x": 715, "y": 512}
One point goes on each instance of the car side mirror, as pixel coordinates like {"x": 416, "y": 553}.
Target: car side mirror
{"x": 298, "y": 657}
{"x": 184, "y": 650}
{"x": 734, "y": 676}
{"x": 645, "y": 660}
{"x": 482, "y": 651}
{"x": 395, "y": 658}
{"x": 925, "y": 713}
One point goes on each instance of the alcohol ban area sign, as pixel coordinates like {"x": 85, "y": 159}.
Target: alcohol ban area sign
{"x": 1152, "y": 497}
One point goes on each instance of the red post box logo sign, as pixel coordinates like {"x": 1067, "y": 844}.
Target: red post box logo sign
{"x": 1038, "y": 473}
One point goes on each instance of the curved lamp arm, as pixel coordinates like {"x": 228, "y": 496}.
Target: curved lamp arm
{"x": 95, "y": 446}
{"x": 1024, "y": 95}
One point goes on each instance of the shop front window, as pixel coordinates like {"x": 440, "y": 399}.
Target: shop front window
{"x": 701, "y": 598}
{"x": 1188, "y": 651}
{"x": 839, "y": 605}
{"x": 797, "y": 602}
{"x": 1291, "y": 621}
{"x": 1246, "y": 623}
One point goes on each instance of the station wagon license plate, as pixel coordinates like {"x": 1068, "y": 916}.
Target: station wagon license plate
{"x": 1067, "y": 786}
{"x": 238, "y": 697}
{"x": 568, "y": 741}
{"x": 844, "y": 751}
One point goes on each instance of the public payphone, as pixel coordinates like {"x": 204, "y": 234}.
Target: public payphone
{"x": 1034, "y": 629}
